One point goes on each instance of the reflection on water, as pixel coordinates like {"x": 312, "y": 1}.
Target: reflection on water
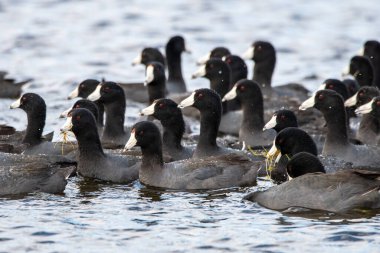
{"x": 59, "y": 43}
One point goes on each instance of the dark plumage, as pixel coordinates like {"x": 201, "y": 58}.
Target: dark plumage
{"x": 155, "y": 81}
{"x": 340, "y": 192}
{"x": 193, "y": 174}
{"x": 9, "y": 88}
{"x": 331, "y": 105}
{"x": 251, "y": 130}
{"x": 170, "y": 116}
{"x": 112, "y": 97}
{"x": 92, "y": 161}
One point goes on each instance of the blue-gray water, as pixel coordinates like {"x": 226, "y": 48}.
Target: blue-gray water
{"x": 61, "y": 42}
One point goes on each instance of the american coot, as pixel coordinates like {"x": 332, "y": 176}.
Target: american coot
{"x": 92, "y": 162}
{"x": 9, "y": 88}
{"x": 217, "y": 52}
{"x": 155, "y": 80}
{"x": 289, "y": 142}
{"x": 192, "y": 174}
{"x": 239, "y": 71}
{"x": 361, "y": 69}
{"x": 170, "y": 116}
{"x": 331, "y": 105}
{"x": 33, "y": 142}
{"x": 368, "y": 125}
{"x": 340, "y": 192}
{"x": 372, "y": 124}
{"x": 219, "y": 74}
{"x": 83, "y": 90}
{"x": 251, "y": 129}
{"x": 87, "y": 104}
{"x": 112, "y": 97}
{"x": 209, "y": 104}
{"x": 371, "y": 49}
{"x": 281, "y": 119}
{"x": 33, "y": 176}
{"x": 174, "y": 48}
{"x": 352, "y": 86}
{"x": 263, "y": 54}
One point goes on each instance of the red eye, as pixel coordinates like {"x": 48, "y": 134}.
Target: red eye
{"x": 282, "y": 117}
{"x": 330, "y": 86}
{"x": 77, "y": 117}
{"x": 106, "y": 89}
{"x": 320, "y": 97}
{"x": 200, "y": 95}
{"x": 242, "y": 88}
{"x": 280, "y": 141}
{"x": 77, "y": 106}
{"x": 361, "y": 94}
{"x": 211, "y": 65}
{"x": 259, "y": 48}
{"x": 229, "y": 61}
{"x": 161, "y": 105}
{"x": 82, "y": 85}
{"x": 141, "y": 132}
{"x": 377, "y": 103}
{"x": 23, "y": 98}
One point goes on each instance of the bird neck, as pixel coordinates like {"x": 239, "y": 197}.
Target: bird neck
{"x": 36, "y": 124}
{"x": 263, "y": 72}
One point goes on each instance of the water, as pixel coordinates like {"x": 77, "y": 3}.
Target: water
{"x": 59, "y": 43}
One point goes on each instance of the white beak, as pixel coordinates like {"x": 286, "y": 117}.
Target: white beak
{"x": 364, "y": 109}
{"x": 65, "y": 113}
{"x": 204, "y": 59}
{"x": 67, "y": 126}
{"x": 351, "y": 101}
{"x": 273, "y": 150}
{"x": 131, "y": 142}
{"x": 95, "y": 95}
{"x": 308, "y": 103}
{"x": 200, "y": 72}
{"x": 231, "y": 94}
{"x": 74, "y": 93}
{"x": 361, "y": 51}
{"x": 189, "y": 101}
{"x": 16, "y": 104}
{"x": 149, "y": 75}
{"x": 149, "y": 110}
{"x": 271, "y": 123}
{"x": 248, "y": 55}
{"x": 137, "y": 60}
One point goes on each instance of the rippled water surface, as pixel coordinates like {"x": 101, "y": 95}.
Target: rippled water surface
{"x": 61, "y": 42}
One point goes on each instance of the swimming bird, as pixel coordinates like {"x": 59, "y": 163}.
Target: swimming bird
{"x": 33, "y": 142}
{"x": 9, "y": 88}
{"x": 217, "y": 52}
{"x": 112, "y": 97}
{"x": 263, "y": 54}
{"x": 92, "y": 161}
{"x": 83, "y": 90}
{"x": 170, "y": 116}
{"x": 311, "y": 188}
{"x": 155, "y": 81}
{"x": 192, "y": 174}
{"x": 371, "y": 135}
{"x": 251, "y": 130}
{"x": 331, "y": 105}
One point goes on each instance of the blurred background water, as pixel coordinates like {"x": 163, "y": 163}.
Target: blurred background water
{"x": 61, "y": 42}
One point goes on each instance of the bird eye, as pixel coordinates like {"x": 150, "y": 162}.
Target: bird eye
{"x": 211, "y": 65}
{"x": 321, "y": 97}
{"x": 361, "y": 94}
{"x": 280, "y": 141}
{"x": 258, "y": 48}
{"x": 77, "y": 106}
{"x": 77, "y": 117}
{"x": 106, "y": 89}
{"x": 161, "y": 105}
{"x": 330, "y": 86}
{"x": 282, "y": 117}
{"x": 141, "y": 132}
{"x": 81, "y": 86}
{"x": 200, "y": 95}
{"x": 377, "y": 103}
{"x": 241, "y": 87}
